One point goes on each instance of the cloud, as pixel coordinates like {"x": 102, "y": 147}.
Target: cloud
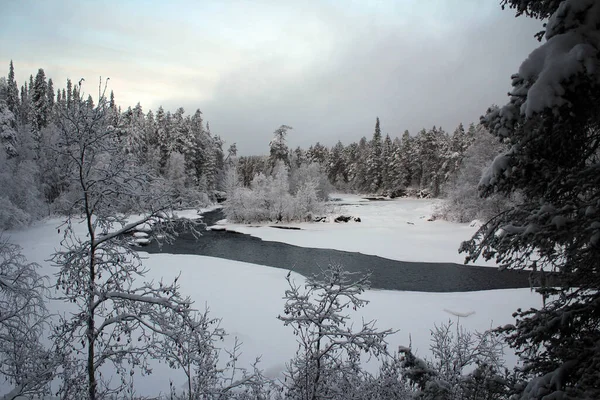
{"x": 327, "y": 68}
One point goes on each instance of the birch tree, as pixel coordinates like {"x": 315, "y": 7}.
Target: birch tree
{"x": 25, "y": 363}
{"x": 119, "y": 318}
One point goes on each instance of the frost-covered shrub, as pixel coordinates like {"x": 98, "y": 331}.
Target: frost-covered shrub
{"x": 463, "y": 202}
{"x": 465, "y": 365}
{"x": 269, "y": 198}
{"x": 327, "y": 364}
{"x": 20, "y": 200}
{"x": 314, "y": 174}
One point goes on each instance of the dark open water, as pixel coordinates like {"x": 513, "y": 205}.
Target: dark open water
{"x": 386, "y": 273}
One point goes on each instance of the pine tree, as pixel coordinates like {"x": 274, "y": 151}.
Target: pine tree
{"x": 397, "y": 173}
{"x": 432, "y": 145}
{"x": 12, "y": 95}
{"x": 63, "y": 98}
{"x": 24, "y": 112}
{"x": 336, "y": 168}
{"x": 232, "y": 151}
{"x": 299, "y": 156}
{"x": 387, "y": 162}
{"x": 163, "y": 136}
{"x": 317, "y": 154}
{"x": 278, "y": 150}
{"x": 39, "y": 100}
{"x": 69, "y": 93}
{"x": 407, "y": 158}
{"x": 359, "y": 165}
{"x": 50, "y": 95}
{"x": 196, "y": 154}
{"x": 374, "y": 162}
{"x": 8, "y": 131}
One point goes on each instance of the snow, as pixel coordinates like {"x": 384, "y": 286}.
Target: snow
{"x": 571, "y": 50}
{"x": 142, "y": 241}
{"x": 196, "y": 213}
{"x": 397, "y": 229}
{"x": 248, "y": 297}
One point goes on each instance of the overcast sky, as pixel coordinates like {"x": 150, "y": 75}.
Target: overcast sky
{"x": 327, "y": 68}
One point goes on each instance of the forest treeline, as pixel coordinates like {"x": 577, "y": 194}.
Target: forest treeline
{"x": 181, "y": 148}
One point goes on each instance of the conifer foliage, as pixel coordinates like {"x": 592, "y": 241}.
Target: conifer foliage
{"x": 170, "y": 145}
{"x": 551, "y": 122}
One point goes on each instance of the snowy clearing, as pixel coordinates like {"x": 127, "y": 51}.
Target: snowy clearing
{"x": 397, "y": 229}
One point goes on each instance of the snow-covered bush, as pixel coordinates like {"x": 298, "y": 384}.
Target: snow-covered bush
{"x": 327, "y": 364}
{"x": 20, "y": 200}
{"x": 463, "y": 202}
{"x": 313, "y": 175}
{"x": 465, "y": 365}
{"x": 269, "y": 198}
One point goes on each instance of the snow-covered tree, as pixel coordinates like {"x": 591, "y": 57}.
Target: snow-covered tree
{"x": 232, "y": 152}
{"x": 50, "y": 96}
{"x": 278, "y": 149}
{"x": 277, "y": 197}
{"x": 120, "y": 319}
{"x": 314, "y": 174}
{"x": 329, "y": 350}
{"x": 317, "y": 154}
{"x": 39, "y": 101}
{"x": 463, "y": 202}
{"x": 374, "y": 167}
{"x": 12, "y": 91}
{"x": 387, "y": 159}
{"x": 8, "y": 130}
{"x": 464, "y": 365}
{"x": 432, "y": 151}
{"x": 336, "y": 168}
{"x": 398, "y": 178}
{"x": 358, "y": 167}
{"x": 25, "y": 364}
{"x": 552, "y": 124}
{"x": 163, "y": 137}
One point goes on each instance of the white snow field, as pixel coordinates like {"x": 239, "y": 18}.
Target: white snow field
{"x": 398, "y": 229}
{"x": 248, "y": 297}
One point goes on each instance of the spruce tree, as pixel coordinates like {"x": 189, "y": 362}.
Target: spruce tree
{"x": 69, "y": 93}
{"x": 336, "y": 168}
{"x": 50, "y": 95}
{"x": 25, "y": 105}
{"x": 12, "y": 94}
{"x": 407, "y": 155}
{"x": 374, "y": 162}
{"x": 39, "y": 100}
{"x": 553, "y": 163}
{"x": 387, "y": 158}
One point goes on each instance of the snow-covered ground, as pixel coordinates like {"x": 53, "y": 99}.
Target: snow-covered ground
{"x": 248, "y": 297}
{"x": 398, "y": 229}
